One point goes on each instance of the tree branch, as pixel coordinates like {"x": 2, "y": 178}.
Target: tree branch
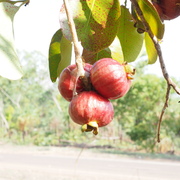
{"x": 169, "y": 81}
{"x": 162, "y": 112}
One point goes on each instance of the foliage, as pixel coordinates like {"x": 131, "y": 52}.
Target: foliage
{"x": 99, "y": 24}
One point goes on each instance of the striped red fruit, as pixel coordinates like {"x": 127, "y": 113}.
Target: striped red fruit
{"x": 91, "y": 110}
{"x": 67, "y": 81}
{"x": 169, "y": 9}
{"x": 109, "y": 78}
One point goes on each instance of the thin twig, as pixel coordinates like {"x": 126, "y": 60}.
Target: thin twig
{"x": 169, "y": 81}
{"x": 162, "y": 112}
{"x": 76, "y": 43}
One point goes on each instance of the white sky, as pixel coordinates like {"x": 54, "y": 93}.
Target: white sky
{"x": 170, "y": 48}
{"x": 36, "y": 24}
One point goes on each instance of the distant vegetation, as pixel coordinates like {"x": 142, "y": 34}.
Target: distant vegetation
{"x": 33, "y": 112}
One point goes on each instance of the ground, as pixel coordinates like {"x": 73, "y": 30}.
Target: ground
{"x": 68, "y": 163}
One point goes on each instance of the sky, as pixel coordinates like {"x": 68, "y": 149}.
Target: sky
{"x": 36, "y": 23}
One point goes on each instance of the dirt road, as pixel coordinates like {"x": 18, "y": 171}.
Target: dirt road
{"x": 22, "y": 163}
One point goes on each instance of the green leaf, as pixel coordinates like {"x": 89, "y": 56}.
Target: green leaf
{"x": 60, "y": 50}
{"x": 150, "y": 49}
{"x": 114, "y": 51}
{"x": 96, "y": 22}
{"x": 131, "y": 41}
{"x": 152, "y": 17}
{"x": 55, "y": 55}
{"x": 10, "y": 66}
{"x": 66, "y": 54}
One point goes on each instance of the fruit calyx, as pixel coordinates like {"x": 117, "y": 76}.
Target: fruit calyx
{"x": 91, "y": 126}
{"x": 130, "y": 70}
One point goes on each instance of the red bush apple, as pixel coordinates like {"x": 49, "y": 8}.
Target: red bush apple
{"x": 109, "y": 78}
{"x": 91, "y": 110}
{"x": 170, "y": 8}
{"x": 67, "y": 80}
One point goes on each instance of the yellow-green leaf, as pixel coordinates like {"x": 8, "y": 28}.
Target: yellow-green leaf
{"x": 152, "y": 17}
{"x": 60, "y": 50}
{"x": 55, "y": 55}
{"x": 150, "y": 49}
{"x": 131, "y": 41}
{"x": 66, "y": 54}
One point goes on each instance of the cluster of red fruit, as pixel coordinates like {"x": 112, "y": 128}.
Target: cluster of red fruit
{"x": 91, "y": 107}
{"x": 167, "y": 9}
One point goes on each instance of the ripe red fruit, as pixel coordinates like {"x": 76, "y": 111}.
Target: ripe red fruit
{"x": 109, "y": 78}
{"x": 91, "y": 110}
{"x": 67, "y": 81}
{"x": 170, "y": 8}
